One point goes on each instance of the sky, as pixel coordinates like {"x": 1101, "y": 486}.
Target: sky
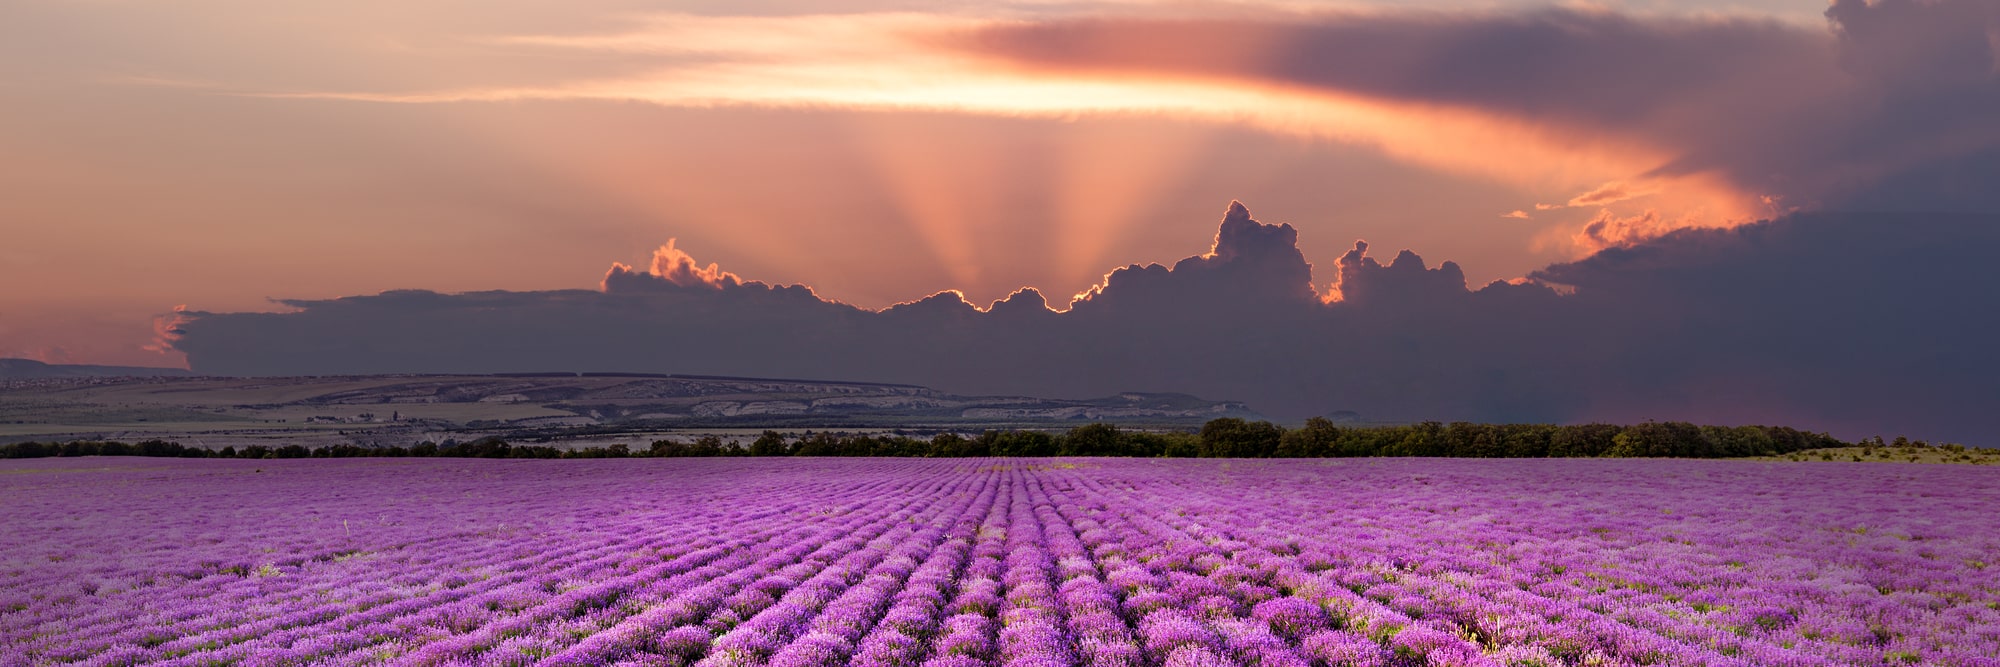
{"x": 168, "y": 165}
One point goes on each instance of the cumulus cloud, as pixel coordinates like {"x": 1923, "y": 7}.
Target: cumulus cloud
{"x": 1859, "y": 323}
{"x": 675, "y": 266}
{"x": 1250, "y": 265}
{"x": 1364, "y": 281}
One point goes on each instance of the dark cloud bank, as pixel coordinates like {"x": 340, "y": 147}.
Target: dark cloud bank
{"x": 1889, "y": 105}
{"x": 1858, "y": 323}
{"x": 1848, "y": 319}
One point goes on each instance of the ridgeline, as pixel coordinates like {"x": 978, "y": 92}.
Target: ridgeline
{"x": 1227, "y": 437}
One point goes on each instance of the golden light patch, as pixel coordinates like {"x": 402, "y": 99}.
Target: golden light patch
{"x": 899, "y": 62}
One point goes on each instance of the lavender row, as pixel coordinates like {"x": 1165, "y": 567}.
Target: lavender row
{"x": 968, "y": 563}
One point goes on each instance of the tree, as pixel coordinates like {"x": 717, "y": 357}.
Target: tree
{"x": 771, "y": 443}
{"x": 1422, "y": 439}
{"x": 1582, "y": 440}
{"x": 27, "y": 450}
{"x": 1020, "y": 443}
{"x": 1318, "y": 438}
{"x": 1092, "y": 440}
{"x": 1231, "y": 437}
{"x": 951, "y": 445}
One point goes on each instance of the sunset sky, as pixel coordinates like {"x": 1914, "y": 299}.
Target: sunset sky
{"x": 222, "y": 154}
{"x": 1738, "y": 211}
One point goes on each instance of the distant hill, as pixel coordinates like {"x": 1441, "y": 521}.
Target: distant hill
{"x": 62, "y": 403}
{"x": 13, "y": 369}
{"x": 634, "y": 399}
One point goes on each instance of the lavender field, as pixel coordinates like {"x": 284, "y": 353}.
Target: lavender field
{"x": 970, "y": 563}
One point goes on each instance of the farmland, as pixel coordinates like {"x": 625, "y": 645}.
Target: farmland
{"x": 969, "y": 563}
{"x": 566, "y": 410}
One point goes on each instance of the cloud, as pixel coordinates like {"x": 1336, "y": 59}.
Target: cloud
{"x": 1364, "y": 281}
{"x": 1516, "y": 214}
{"x": 1874, "y": 110}
{"x": 675, "y": 266}
{"x": 1928, "y": 81}
{"x": 1548, "y": 101}
{"x": 1850, "y": 321}
{"x": 1919, "y": 47}
{"x": 1607, "y": 229}
{"x": 1250, "y": 265}
{"x": 1859, "y": 323}
{"x": 1610, "y": 193}
{"x": 88, "y": 332}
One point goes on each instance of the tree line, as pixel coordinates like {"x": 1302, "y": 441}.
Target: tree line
{"x": 1227, "y": 437}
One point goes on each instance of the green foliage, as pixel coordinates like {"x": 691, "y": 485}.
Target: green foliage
{"x": 1092, "y": 440}
{"x": 1233, "y": 438}
{"x": 1220, "y": 438}
{"x": 1019, "y": 443}
{"x": 771, "y": 443}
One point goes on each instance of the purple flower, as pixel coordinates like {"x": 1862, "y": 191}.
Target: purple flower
{"x": 1291, "y": 617}
{"x": 1196, "y": 656}
{"x": 1168, "y": 629}
{"x": 1339, "y": 648}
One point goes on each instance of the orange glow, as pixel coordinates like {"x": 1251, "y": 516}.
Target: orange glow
{"x": 164, "y": 327}
{"x": 1625, "y": 214}
{"x": 1103, "y": 179}
{"x": 954, "y": 294}
{"x": 679, "y": 268}
{"x": 943, "y": 197}
{"x": 898, "y": 62}
{"x": 231, "y": 159}
{"x": 1615, "y": 191}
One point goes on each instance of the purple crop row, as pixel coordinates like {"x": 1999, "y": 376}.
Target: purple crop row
{"x": 984, "y": 563}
